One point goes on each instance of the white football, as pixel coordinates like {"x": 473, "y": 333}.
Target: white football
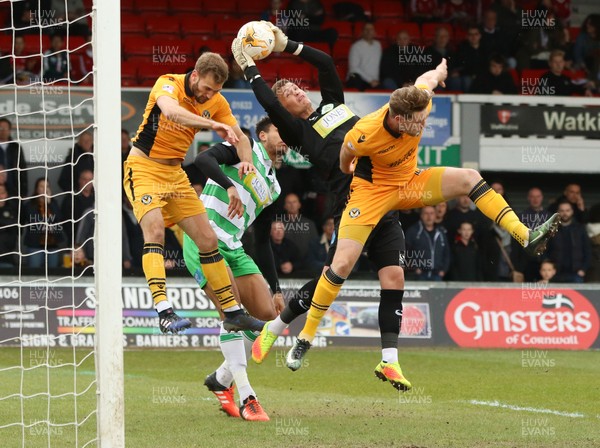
{"x": 257, "y": 39}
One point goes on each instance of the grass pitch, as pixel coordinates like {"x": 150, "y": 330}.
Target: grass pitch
{"x": 461, "y": 398}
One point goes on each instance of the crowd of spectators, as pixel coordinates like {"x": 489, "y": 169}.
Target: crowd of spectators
{"x": 48, "y": 45}
{"x": 452, "y": 241}
{"x": 492, "y": 46}
{"x": 505, "y": 50}
{"x": 459, "y": 243}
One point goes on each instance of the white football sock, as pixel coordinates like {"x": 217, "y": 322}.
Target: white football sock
{"x": 232, "y": 308}
{"x": 243, "y": 385}
{"x": 234, "y": 351}
{"x": 162, "y": 305}
{"x": 389, "y": 355}
{"x": 224, "y": 376}
{"x": 277, "y": 326}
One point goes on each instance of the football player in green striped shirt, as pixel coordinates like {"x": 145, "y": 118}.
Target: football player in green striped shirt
{"x": 232, "y": 205}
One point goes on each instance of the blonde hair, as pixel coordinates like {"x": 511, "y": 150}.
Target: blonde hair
{"x": 278, "y": 86}
{"x": 408, "y": 100}
{"x": 555, "y": 54}
{"x": 212, "y": 63}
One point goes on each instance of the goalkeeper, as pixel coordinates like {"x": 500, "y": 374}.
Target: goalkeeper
{"x": 318, "y": 135}
{"x": 222, "y": 192}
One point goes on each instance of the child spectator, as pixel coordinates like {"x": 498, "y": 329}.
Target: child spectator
{"x": 466, "y": 263}
{"x": 55, "y": 61}
{"x": 547, "y": 272}
{"x": 496, "y": 80}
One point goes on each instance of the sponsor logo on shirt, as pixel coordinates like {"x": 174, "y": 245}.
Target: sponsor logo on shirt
{"x": 388, "y": 149}
{"x": 326, "y": 108}
{"x": 403, "y": 159}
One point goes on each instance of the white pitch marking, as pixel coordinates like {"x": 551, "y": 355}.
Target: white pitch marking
{"x": 497, "y": 404}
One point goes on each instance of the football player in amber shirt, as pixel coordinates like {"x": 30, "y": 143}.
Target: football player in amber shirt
{"x": 161, "y": 193}
{"x": 381, "y": 149}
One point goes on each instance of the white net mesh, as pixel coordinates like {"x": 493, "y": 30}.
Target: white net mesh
{"x": 47, "y": 308}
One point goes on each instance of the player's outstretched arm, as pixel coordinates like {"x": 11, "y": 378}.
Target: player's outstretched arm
{"x": 171, "y": 109}
{"x": 244, "y": 150}
{"x": 330, "y": 83}
{"x": 209, "y": 161}
{"x": 435, "y": 77}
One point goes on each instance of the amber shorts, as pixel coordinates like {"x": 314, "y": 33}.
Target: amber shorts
{"x": 151, "y": 185}
{"x": 368, "y": 203}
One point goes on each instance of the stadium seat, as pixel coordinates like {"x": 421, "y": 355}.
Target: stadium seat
{"x": 136, "y": 61}
{"x": 411, "y": 28}
{"x": 253, "y": 10}
{"x": 133, "y": 24}
{"x": 187, "y": 7}
{"x": 269, "y": 71}
{"x": 530, "y": 73}
{"x": 129, "y": 75}
{"x": 183, "y": 46}
{"x": 73, "y": 42}
{"x": 138, "y": 46}
{"x": 300, "y": 74}
{"x": 459, "y": 34}
{"x": 4, "y": 16}
{"x": 216, "y": 46}
{"x": 6, "y": 43}
{"x": 149, "y": 73}
{"x": 527, "y": 84}
{"x": 576, "y": 74}
{"x": 160, "y": 26}
{"x": 194, "y": 25}
{"x": 127, "y": 6}
{"x": 36, "y": 44}
{"x": 220, "y": 7}
{"x": 387, "y": 9}
{"x": 229, "y": 28}
{"x": 429, "y": 29}
{"x": 574, "y": 32}
{"x": 342, "y": 70}
{"x": 341, "y": 50}
{"x": 344, "y": 29}
{"x": 529, "y": 4}
{"x": 152, "y": 6}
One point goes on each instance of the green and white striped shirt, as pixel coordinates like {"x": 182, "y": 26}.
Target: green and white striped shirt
{"x": 256, "y": 192}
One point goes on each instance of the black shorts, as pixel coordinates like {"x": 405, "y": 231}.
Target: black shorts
{"x": 385, "y": 246}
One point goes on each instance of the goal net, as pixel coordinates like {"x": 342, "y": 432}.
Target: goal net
{"x": 61, "y": 378}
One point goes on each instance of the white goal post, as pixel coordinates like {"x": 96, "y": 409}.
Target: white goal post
{"x": 109, "y": 327}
